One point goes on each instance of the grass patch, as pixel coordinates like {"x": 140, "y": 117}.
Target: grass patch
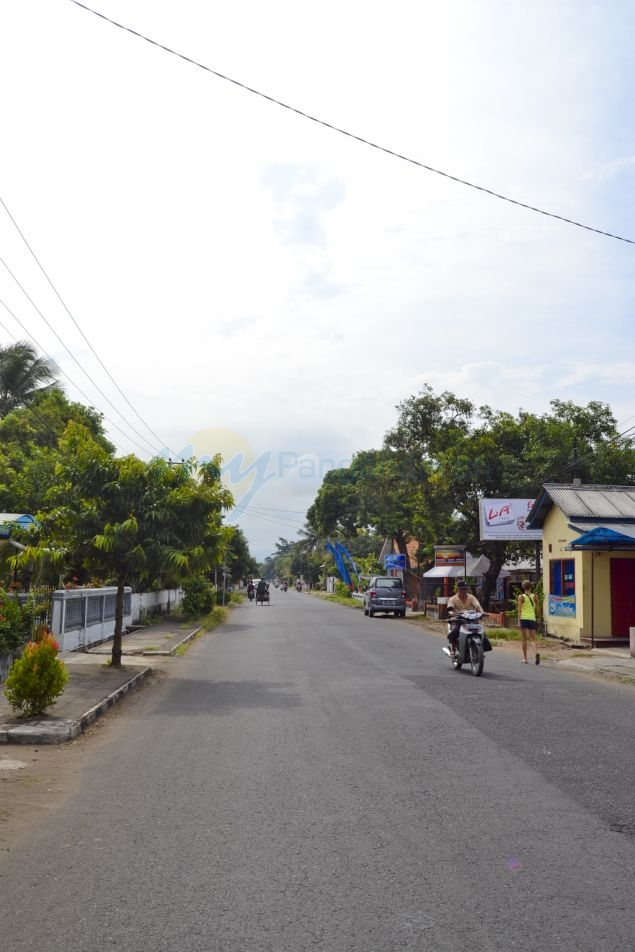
{"x": 181, "y": 649}
{"x": 504, "y": 634}
{"x": 339, "y": 599}
{"x": 215, "y": 618}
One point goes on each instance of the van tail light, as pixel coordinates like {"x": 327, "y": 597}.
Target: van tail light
{"x": 373, "y": 593}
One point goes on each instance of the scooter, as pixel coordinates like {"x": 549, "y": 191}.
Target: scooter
{"x": 251, "y": 593}
{"x": 471, "y": 644}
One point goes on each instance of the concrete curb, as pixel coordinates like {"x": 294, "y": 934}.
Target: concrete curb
{"x": 53, "y": 730}
{"x": 170, "y": 652}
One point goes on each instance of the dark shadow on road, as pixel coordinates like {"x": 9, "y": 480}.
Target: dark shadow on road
{"x": 549, "y": 730}
{"x": 424, "y": 680}
{"x": 191, "y": 697}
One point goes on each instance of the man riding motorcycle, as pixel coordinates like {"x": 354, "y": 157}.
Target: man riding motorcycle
{"x": 462, "y": 601}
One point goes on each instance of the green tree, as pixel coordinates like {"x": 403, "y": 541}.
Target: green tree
{"x": 29, "y": 452}
{"x": 507, "y": 456}
{"x": 128, "y": 521}
{"x": 444, "y": 454}
{"x": 241, "y": 562}
{"x": 22, "y": 375}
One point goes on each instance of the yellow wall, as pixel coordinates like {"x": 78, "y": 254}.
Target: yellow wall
{"x": 592, "y": 582}
{"x": 556, "y": 535}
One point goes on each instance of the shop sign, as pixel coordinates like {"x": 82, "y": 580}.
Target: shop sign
{"x": 395, "y": 561}
{"x": 449, "y": 556}
{"x": 562, "y": 606}
{"x": 506, "y": 519}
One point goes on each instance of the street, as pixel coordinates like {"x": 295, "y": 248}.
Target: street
{"x": 309, "y": 778}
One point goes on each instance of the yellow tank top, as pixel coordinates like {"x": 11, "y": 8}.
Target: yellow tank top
{"x": 528, "y": 607}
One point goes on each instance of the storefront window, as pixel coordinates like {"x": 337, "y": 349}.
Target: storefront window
{"x": 562, "y": 577}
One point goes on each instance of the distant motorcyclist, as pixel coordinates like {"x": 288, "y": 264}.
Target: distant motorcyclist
{"x": 251, "y": 591}
{"x": 462, "y": 601}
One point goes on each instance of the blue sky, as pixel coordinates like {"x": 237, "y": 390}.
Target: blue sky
{"x": 248, "y": 274}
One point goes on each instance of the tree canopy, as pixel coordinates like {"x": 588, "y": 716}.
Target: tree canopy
{"x": 444, "y": 453}
{"x": 129, "y": 522}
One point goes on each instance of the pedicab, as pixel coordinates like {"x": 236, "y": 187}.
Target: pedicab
{"x": 262, "y": 593}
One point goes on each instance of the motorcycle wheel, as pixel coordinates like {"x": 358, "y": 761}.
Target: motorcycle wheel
{"x": 477, "y": 659}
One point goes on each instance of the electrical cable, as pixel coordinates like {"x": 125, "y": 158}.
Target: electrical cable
{"x": 351, "y": 135}
{"x": 63, "y": 303}
{"x": 27, "y": 406}
{"x": 275, "y": 522}
{"x": 74, "y": 358}
{"x": 70, "y": 380}
{"x": 295, "y": 512}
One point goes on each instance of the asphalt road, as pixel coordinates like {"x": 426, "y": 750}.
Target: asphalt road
{"x": 311, "y": 779}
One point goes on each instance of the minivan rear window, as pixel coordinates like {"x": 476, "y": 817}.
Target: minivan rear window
{"x": 388, "y": 583}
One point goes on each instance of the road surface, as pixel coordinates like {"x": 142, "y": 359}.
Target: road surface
{"x": 310, "y": 779}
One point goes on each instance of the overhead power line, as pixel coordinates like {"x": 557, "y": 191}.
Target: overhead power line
{"x": 63, "y": 303}
{"x": 70, "y": 353}
{"x": 70, "y": 380}
{"x": 351, "y": 135}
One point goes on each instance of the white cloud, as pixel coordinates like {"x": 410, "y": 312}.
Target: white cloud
{"x": 236, "y": 265}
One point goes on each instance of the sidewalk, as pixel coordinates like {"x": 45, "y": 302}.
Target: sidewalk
{"x": 93, "y": 686}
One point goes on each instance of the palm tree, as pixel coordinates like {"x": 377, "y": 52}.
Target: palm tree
{"x": 23, "y": 375}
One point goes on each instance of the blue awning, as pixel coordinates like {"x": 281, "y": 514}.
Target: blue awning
{"x": 604, "y": 536}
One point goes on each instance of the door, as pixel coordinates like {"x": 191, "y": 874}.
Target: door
{"x": 622, "y": 596}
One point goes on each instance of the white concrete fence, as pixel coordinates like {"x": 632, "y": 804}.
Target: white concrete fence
{"x": 84, "y": 617}
{"x": 81, "y": 618}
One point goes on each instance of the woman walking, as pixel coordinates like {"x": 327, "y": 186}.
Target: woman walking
{"x": 528, "y": 616}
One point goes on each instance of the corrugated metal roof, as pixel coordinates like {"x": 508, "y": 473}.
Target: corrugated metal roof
{"x": 594, "y": 502}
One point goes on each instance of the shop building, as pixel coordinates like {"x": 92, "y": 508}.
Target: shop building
{"x": 588, "y": 551}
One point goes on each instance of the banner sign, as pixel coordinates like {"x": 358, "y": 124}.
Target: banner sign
{"x": 448, "y": 556}
{"x": 506, "y": 519}
{"x": 341, "y": 556}
{"x": 562, "y": 606}
{"x": 395, "y": 561}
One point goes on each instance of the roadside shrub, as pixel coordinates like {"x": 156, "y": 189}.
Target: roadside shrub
{"x": 16, "y": 622}
{"x": 198, "y": 598}
{"x": 37, "y": 679}
{"x": 342, "y": 589}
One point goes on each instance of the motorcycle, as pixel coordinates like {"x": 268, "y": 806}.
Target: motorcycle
{"x": 284, "y": 586}
{"x": 472, "y": 642}
{"x": 251, "y": 593}
{"x": 298, "y": 586}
